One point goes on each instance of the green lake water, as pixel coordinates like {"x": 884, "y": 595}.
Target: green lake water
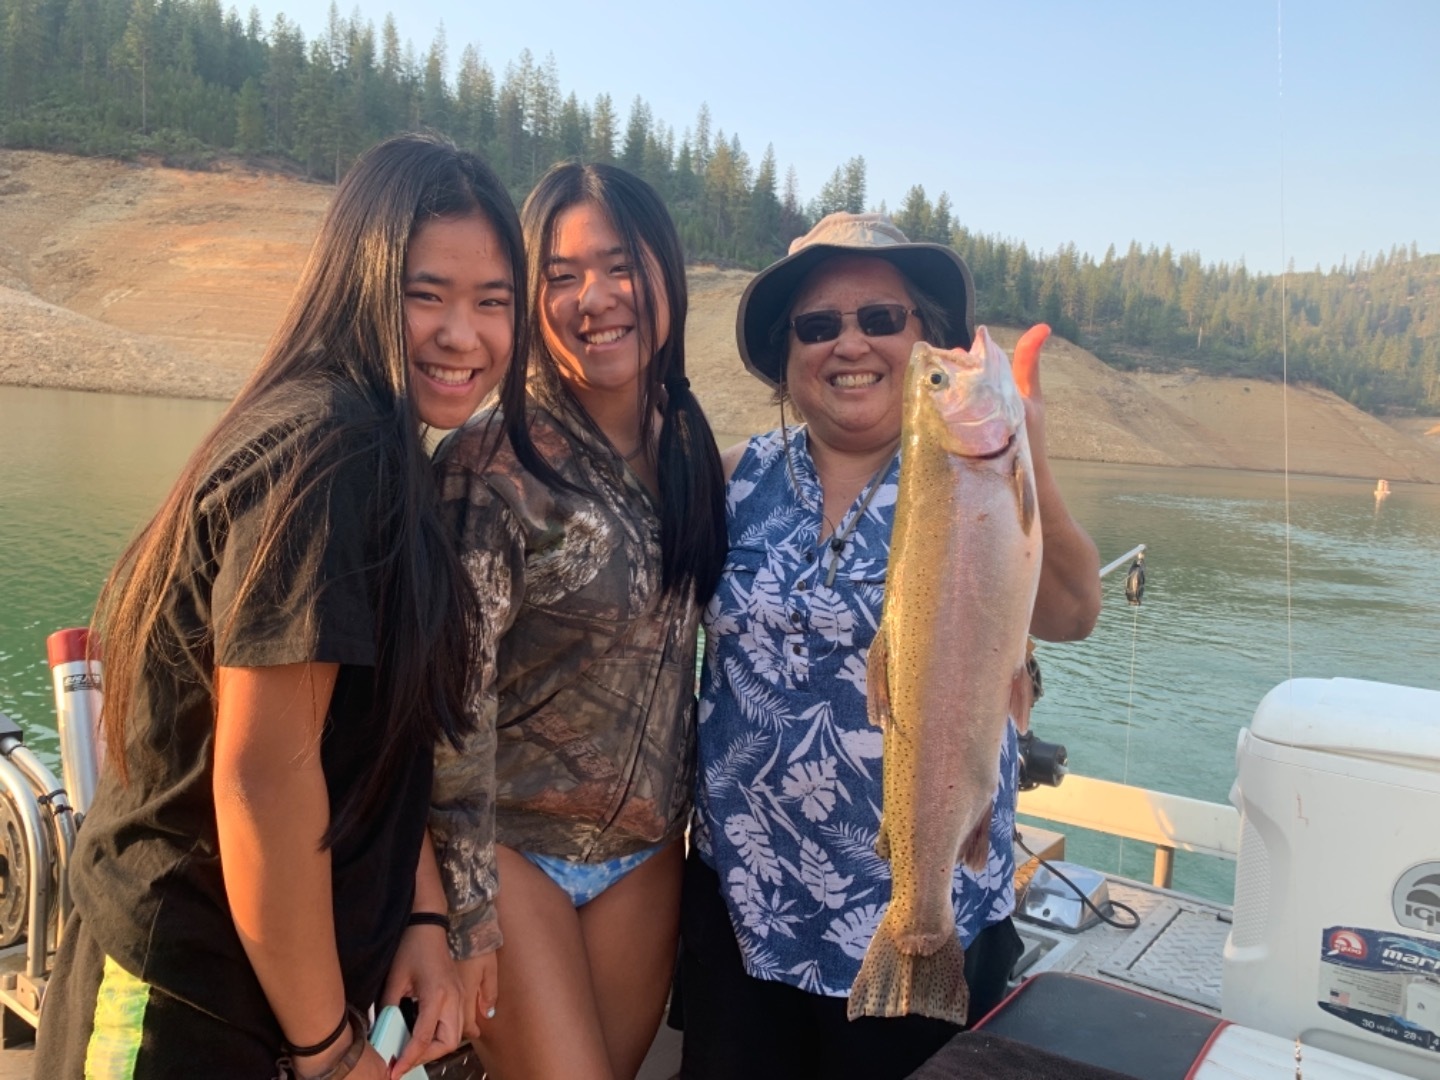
{"x": 1155, "y": 696}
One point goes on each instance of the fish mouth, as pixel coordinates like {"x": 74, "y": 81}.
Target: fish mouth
{"x": 1009, "y": 445}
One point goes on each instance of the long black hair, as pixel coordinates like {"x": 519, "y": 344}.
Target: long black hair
{"x": 343, "y": 332}
{"x": 692, "y": 484}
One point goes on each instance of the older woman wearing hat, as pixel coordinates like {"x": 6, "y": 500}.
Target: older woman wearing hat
{"x": 783, "y": 889}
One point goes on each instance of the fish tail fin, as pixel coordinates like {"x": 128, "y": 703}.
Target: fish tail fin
{"x": 1025, "y": 365}
{"x": 975, "y": 852}
{"x": 895, "y": 983}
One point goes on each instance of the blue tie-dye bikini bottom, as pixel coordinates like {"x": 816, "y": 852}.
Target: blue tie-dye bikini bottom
{"x": 583, "y": 882}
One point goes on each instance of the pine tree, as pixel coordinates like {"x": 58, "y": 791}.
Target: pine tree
{"x": 22, "y": 51}
{"x": 765, "y": 210}
{"x": 854, "y": 185}
{"x": 135, "y": 52}
{"x": 915, "y": 214}
{"x": 686, "y": 183}
{"x": 394, "y": 93}
{"x": 602, "y": 130}
{"x": 250, "y": 119}
{"x": 574, "y": 129}
{"x": 637, "y": 129}
{"x": 281, "y": 81}
{"x": 508, "y": 152}
{"x": 542, "y": 114}
{"x": 701, "y": 146}
{"x": 722, "y": 186}
{"x": 315, "y": 115}
{"x": 435, "y": 111}
{"x": 474, "y": 123}
{"x": 942, "y": 222}
{"x": 792, "y": 215}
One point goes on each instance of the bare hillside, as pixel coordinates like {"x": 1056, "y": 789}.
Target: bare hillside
{"x": 192, "y": 266}
{"x": 143, "y": 280}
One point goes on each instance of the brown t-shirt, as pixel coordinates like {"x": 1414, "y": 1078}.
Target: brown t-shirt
{"x": 146, "y": 875}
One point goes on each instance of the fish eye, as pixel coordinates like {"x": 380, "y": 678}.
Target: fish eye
{"x": 938, "y": 379}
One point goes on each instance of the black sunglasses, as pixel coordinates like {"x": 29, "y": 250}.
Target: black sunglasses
{"x": 876, "y": 320}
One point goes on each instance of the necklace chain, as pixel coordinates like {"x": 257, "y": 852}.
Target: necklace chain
{"x": 837, "y": 542}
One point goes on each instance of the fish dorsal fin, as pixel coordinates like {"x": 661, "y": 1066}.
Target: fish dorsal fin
{"x": 1024, "y": 495}
{"x": 877, "y": 680}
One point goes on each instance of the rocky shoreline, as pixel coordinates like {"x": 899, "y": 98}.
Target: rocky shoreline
{"x": 136, "y": 280}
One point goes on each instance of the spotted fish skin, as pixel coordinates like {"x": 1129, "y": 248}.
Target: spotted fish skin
{"x": 948, "y": 656}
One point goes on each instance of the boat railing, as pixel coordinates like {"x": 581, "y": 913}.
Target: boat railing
{"x": 47, "y": 837}
{"x": 1170, "y": 822}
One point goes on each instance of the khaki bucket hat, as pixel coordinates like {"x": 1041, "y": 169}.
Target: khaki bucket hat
{"x": 934, "y": 268}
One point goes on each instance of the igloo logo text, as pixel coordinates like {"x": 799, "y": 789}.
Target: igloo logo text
{"x": 1416, "y": 898}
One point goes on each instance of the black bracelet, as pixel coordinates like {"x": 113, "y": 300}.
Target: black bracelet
{"x": 348, "y": 1060}
{"x": 325, "y": 1043}
{"x": 428, "y": 918}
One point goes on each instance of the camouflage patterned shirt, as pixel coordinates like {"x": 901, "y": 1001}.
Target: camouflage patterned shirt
{"x": 584, "y": 687}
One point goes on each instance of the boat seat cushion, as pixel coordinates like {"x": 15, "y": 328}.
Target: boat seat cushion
{"x": 979, "y": 1055}
{"x": 1102, "y": 1025}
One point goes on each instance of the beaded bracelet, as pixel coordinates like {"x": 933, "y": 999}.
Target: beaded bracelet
{"x": 428, "y": 918}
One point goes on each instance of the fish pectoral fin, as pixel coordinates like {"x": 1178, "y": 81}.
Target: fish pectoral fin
{"x": 882, "y": 840}
{"x": 895, "y": 983}
{"x": 877, "y": 680}
{"x": 1025, "y": 499}
{"x": 975, "y": 851}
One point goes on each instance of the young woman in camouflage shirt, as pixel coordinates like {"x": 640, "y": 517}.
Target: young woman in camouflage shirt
{"x": 593, "y": 565}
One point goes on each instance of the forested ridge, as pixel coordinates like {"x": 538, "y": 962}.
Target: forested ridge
{"x": 189, "y": 82}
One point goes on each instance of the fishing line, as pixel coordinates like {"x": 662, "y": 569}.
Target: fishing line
{"x": 1284, "y": 343}
{"x": 1129, "y": 710}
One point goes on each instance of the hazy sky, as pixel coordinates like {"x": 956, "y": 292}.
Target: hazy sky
{"x": 1099, "y": 122}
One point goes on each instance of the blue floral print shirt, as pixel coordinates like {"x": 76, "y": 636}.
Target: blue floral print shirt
{"x": 789, "y": 794}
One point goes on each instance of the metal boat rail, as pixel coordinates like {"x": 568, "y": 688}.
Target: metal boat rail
{"x": 46, "y": 826}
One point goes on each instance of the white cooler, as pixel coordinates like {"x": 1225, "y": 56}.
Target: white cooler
{"x": 1336, "y": 938}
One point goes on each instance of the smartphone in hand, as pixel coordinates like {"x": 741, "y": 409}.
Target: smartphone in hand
{"x": 389, "y": 1036}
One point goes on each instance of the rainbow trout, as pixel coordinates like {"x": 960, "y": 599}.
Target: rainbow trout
{"x": 946, "y": 661}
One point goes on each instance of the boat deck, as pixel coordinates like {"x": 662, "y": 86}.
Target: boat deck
{"x": 1173, "y": 954}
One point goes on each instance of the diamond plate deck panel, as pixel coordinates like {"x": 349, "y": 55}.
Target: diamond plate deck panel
{"x": 1176, "y": 950}
{"x": 1109, "y": 953}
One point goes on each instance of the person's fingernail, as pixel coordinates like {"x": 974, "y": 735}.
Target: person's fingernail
{"x": 490, "y": 1013}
